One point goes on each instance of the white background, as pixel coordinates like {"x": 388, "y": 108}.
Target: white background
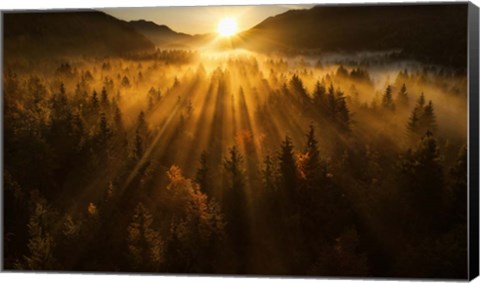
{"x": 53, "y": 278}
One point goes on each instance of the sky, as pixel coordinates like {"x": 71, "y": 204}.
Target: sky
{"x": 199, "y": 20}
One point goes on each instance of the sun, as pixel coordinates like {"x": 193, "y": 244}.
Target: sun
{"x": 227, "y": 27}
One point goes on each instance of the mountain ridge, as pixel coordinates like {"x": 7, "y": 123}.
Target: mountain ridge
{"x": 438, "y": 37}
{"x": 85, "y": 32}
{"x": 160, "y": 35}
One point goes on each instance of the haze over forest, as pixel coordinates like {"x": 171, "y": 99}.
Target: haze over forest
{"x": 326, "y": 141}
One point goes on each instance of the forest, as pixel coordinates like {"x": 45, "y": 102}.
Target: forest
{"x": 179, "y": 161}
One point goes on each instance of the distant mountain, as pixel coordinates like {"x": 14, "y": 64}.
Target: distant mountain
{"x": 165, "y": 37}
{"x": 69, "y": 33}
{"x": 161, "y": 35}
{"x": 433, "y": 33}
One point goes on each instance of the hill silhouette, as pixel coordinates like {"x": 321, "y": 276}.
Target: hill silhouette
{"x": 164, "y": 37}
{"x": 428, "y": 33}
{"x": 70, "y": 33}
{"x": 159, "y": 34}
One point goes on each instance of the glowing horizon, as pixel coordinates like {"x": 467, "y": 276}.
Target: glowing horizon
{"x": 201, "y": 20}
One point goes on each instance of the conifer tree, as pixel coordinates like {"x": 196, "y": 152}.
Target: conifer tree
{"x": 412, "y": 124}
{"x": 138, "y": 150}
{"x": 234, "y": 166}
{"x": 61, "y": 135}
{"x": 402, "y": 98}
{"x": 197, "y": 228}
{"x": 319, "y": 96}
{"x": 297, "y": 88}
{"x": 41, "y": 244}
{"x": 117, "y": 118}
{"x": 458, "y": 188}
{"x": 145, "y": 246}
{"x": 125, "y": 82}
{"x": 342, "y": 72}
{"x": 387, "y": 99}
{"x": 94, "y": 100}
{"x": 202, "y": 175}
{"x": 428, "y": 119}
{"x": 342, "y": 114}
{"x": 422, "y": 118}
{"x": 104, "y": 132}
{"x": 269, "y": 174}
{"x": 331, "y": 102}
{"x": 421, "y": 101}
{"x": 142, "y": 126}
{"x": 235, "y": 206}
{"x": 319, "y": 92}
{"x": 423, "y": 172}
{"x": 60, "y": 108}
{"x": 77, "y": 128}
{"x": 104, "y": 98}
{"x": 313, "y": 170}
{"x": 287, "y": 167}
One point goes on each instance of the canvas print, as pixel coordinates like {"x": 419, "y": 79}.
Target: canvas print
{"x": 277, "y": 140}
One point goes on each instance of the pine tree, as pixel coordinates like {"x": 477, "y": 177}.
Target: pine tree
{"x": 459, "y": 187}
{"x": 313, "y": 171}
{"x": 342, "y": 114}
{"x": 412, "y": 124}
{"x": 428, "y": 119}
{"x": 287, "y": 167}
{"x": 387, "y": 100}
{"x": 41, "y": 244}
{"x": 77, "y": 128}
{"x": 125, "y": 82}
{"x": 424, "y": 181}
{"x": 154, "y": 96}
{"x": 319, "y": 92}
{"x": 402, "y": 98}
{"x": 142, "y": 126}
{"x": 422, "y": 118}
{"x": 202, "y": 175}
{"x": 297, "y": 88}
{"x": 233, "y": 165}
{"x": 284, "y": 90}
{"x": 117, "y": 118}
{"x": 421, "y": 101}
{"x": 198, "y": 226}
{"x": 319, "y": 96}
{"x": 104, "y": 98}
{"x": 60, "y": 108}
{"x": 235, "y": 206}
{"x": 138, "y": 150}
{"x": 61, "y": 136}
{"x": 94, "y": 100}
{"x": 331, "y": 102}
{"x": 342, "y": 72}
{"x": 145, "y": 246}
{"x": 104, "y": 132}
{"x": 176, "y": 83}
{"x": 269, "y": 174}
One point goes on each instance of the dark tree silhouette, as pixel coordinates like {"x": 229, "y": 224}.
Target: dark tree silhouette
{"x": 202, "y": 176}
{"x": 145, "y": 246}
{"x": 387, "y": 99}
{"x": 287, "y": 168}
{"x": 402, "y": 97}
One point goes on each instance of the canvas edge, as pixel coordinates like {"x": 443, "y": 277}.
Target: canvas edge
{"x": 2, "y": 213}
{"x": 473, "y": 176}
{"x": 473, "y": 148}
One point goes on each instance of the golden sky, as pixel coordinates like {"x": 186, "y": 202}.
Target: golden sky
{"x": 198, "y": 20}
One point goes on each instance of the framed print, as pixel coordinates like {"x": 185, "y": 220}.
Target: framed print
{"x": 299, "y": 140}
